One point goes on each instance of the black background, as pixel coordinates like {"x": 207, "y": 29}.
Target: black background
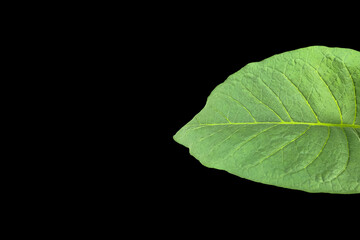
{"x": 195, "y": 60}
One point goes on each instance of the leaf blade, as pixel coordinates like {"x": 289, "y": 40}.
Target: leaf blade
{"x": 279, "y": 122}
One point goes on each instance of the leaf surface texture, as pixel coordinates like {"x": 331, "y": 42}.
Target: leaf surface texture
{"x": 291, "y": 120}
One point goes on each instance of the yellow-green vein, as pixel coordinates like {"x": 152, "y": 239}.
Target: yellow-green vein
{"x": 282, "y": 147}
{"x": 327, "y": 86}
{"x": 322, "y": 149}
{"x": 285, "y": 123}
{"x": 354, "y": 92}
{"x": 222, "y": 142}
{"x": 238, "y": 102}
{"x": 221, "y": 113}
{"x": 347, "y": 162}
{"x": 272, "y": 91}
{"x": 306, "y": 101}
{"x": 248, "y": 140}
{"x": 262, "y": 102}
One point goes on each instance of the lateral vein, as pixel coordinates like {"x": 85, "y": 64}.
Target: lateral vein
{"x": 327, "y": 86}
{"x": 283, "y": 146}
{"x": 322, "y": 149}
{"x": 261, "y": 102}
{"x": 354, "y": 93}
{"x": 306, "y": 101}
{"x": 348, "y": 159}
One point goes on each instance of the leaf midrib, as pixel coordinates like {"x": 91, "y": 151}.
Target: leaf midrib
{"x": 284, "y": 123}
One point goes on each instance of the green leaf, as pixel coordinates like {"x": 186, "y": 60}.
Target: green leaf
{"x": 291, "y": 120}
